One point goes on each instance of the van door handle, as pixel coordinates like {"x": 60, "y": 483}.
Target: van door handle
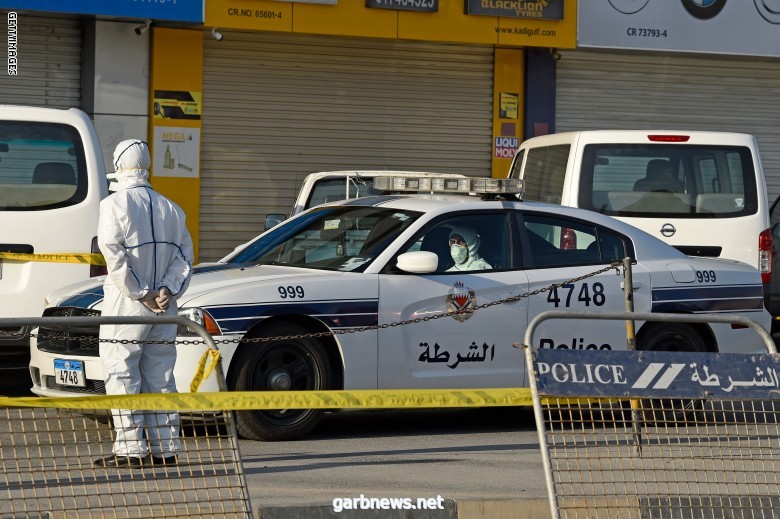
{"x": 636, "y": 286}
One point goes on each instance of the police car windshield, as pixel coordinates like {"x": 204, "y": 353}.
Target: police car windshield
{"x": 345, "y": 238}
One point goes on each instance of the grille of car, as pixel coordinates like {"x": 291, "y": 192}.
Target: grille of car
{"x": 11, "y": 329}
{"x": 94, "y": 387}
{"x": 64, "y": 339}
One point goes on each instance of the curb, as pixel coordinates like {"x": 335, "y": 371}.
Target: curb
{"x": 527, "y": 508}
{"x": 460, "y": 509}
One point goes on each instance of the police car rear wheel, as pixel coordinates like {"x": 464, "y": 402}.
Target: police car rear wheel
{"x": 671, "y": 337}
{"x": 282, "y": 365}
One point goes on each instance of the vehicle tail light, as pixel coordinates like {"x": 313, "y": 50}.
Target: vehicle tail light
{"x": 765, "y": 255}
{"x": 568, "y": 238}
{"x": 96, "y": 270}
{"x": 669, "y": 138}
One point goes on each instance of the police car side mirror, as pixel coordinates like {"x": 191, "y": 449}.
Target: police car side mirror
{"x": 418, "y": 262}
{"x": 272, "y": 220}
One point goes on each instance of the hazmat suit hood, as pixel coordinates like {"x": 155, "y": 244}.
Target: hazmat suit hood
{"x": 471, "y": 238}
{"x": 131, "y": 164}
{"x": 467, "y": 258}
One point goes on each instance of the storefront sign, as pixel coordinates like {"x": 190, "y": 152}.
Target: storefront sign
{"x": 176, "y": 152}
{"x": 508, "y": 104}
{"x": 426, "y": 6}
{"x": 174, "y": 10}
{"x": 323, "y": 2}
{"x": 505, "y": 147}
{"x": 542, "y": 9}
{"x": 685, "y": 26}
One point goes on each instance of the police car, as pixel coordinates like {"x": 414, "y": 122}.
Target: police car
{"x": 387, "y": 259}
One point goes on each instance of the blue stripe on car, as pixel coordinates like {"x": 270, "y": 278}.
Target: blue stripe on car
{"x": 85, "y": 299}
{"x": 708, "y": 299}
{"x": 335, "y": 314}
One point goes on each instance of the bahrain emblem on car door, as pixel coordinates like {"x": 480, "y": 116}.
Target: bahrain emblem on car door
{"x": 461, "y": 302}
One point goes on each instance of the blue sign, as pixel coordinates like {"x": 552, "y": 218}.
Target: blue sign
{"x": 656, "y": 374}
{"x": 173, "y": 10}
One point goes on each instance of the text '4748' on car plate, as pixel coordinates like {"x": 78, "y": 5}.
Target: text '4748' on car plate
{"x": 69, "y": 372}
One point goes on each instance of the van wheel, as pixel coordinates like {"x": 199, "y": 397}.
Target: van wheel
{"x": 287, "y": 364}
{"x": 670, "y": 337}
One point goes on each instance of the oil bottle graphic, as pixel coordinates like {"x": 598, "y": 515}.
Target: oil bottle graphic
{"x": 168, "y": 162}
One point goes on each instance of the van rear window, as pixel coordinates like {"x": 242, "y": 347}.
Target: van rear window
{"x": 42, "y": 166}
{"x": 686, "y": 181}
{"x": 545, "y": 171}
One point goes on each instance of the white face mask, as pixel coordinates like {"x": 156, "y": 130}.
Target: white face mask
{"x": 459, "y": 253}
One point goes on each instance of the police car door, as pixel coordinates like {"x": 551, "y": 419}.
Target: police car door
{"x": 556, "y": 249}
{"x": 460, "y": 348}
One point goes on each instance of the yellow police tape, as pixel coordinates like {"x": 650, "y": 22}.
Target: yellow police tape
{"x": 254, "y": 400}
{"x": 203, "y": 371}
{"x": 56, "y": 257}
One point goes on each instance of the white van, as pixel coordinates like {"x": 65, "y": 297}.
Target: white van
{"x": 701, "y": 192}
{"x": 52, "y": 180}
{"x": 329, "y": 186}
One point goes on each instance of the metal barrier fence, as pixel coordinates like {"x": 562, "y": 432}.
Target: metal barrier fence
{"x": 639, "y": 434}
{"x": 48, "y": 457}
{"x": 48, "y": 471}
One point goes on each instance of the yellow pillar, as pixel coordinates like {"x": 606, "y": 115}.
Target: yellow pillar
{"x": 175, "y": 119}
{"x": 508, "y": 115}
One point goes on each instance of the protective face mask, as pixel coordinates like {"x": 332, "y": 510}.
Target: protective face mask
{"x": 459, "y": 253}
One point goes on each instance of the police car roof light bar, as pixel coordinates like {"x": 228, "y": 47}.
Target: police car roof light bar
{"x": 466, "y": 185}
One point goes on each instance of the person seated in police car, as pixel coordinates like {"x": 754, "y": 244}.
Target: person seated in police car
{"x": 464, "y": 244}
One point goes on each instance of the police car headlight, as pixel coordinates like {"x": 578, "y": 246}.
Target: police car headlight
{"x": 200, "y": 316}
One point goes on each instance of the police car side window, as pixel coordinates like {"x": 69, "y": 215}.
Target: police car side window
{"x": 611, "y": 246}
{"x": 487, "y": 238}
{"x": 558, "y": 242}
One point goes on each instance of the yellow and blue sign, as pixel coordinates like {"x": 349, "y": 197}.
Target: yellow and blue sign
{"x": 178, "y": 10}
{"x": 442, "y": 21}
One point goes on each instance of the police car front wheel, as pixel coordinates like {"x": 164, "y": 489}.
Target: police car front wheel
{"x": 283, "y": 365}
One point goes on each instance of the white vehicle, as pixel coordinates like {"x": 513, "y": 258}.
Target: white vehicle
{"x": 385, "y": 259}
{"x": 702, "y": 192}
{"x": 52, "y": 180}
{"x": 330, "y": 186}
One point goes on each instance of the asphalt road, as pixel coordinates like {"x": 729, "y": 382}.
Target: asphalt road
{"x": 456, "y": 454}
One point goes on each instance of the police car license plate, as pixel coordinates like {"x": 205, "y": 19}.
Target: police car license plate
{"x": 69, "y": 373}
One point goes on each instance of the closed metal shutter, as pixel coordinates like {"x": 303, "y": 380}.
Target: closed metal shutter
{"x": 610, "y": 90}
{"x": 49, "y": 72}
{"x": 278, "y": 107}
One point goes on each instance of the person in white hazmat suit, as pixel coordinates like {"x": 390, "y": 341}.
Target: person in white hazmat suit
{"x": 464, "y": 244}
{"x": 149, "y": 256}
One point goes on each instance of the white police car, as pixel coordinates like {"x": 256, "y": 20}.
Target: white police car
{"x": 385, "y": 259}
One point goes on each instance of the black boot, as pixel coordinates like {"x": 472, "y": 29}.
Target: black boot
{"x": 116, "y": 462}
{"x": 166, "y": 461}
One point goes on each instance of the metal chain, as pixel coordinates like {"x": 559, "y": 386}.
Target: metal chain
{"x": 91, "y": 339}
